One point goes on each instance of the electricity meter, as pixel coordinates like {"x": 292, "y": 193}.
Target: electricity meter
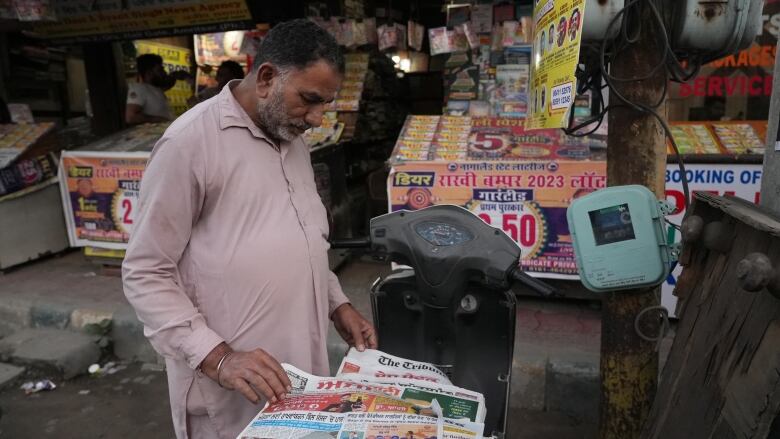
{"x": 619, "y": 239}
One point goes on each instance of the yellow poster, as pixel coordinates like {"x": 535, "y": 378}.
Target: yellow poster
{"x": 174, "y": 59}
{"x": 556, "y": 52}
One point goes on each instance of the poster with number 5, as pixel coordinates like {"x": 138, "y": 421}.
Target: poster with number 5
{"x": 100, "y": 193}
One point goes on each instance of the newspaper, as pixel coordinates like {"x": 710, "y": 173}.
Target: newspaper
{"x": 308, "y": 425}
{"x": 379, "y": 365}
{"x": 455, "y": 402}
{"x": 354, "y": 408}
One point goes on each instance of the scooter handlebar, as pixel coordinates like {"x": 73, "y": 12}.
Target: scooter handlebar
{"x": 536, "y": 285}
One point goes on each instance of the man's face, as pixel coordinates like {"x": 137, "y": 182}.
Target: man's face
{"x": 85, "y": 188}
{"x": 156, "y": 76}
{"x": 575, "y": 24}
{"x": 297, "y": 99}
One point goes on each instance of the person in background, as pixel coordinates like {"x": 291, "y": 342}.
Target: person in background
{"x": 226, "y": 72}
{"x": 146, "y": 101}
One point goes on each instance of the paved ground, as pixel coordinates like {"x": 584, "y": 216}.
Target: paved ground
{"x": 132, "y": 403}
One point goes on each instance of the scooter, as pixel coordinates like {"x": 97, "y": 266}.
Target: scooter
{"x": 450, "y": 304}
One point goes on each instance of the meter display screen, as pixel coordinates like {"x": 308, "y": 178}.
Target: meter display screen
{"x": 612, "y": 224}
{"x": 442, "y": 234}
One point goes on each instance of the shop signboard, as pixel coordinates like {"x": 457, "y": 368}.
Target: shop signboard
{"x": 147, "y": 19}
{"x": 100, "y": 193}
{"x": 736, "y": 87}
{"x": 743, "y": 181}
{"x": 556, "y": 51}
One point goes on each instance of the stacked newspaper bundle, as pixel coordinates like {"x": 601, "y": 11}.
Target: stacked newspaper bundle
{"x": 373, "y": 396}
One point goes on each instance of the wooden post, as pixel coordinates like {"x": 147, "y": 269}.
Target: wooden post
{"x": 636, "y": 154}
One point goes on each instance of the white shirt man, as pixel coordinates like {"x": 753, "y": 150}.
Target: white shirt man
{"x": 146, "y": 101}
{"x": 150, "y": 98}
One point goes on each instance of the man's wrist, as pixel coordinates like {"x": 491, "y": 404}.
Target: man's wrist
{"x": 209, "y": 364}
{"x": 340, "y": 308}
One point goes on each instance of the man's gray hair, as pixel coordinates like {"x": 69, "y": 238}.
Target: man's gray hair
{"x": 298, "y": 44}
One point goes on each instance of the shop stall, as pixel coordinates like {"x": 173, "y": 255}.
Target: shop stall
{"x": 31, "y": 221}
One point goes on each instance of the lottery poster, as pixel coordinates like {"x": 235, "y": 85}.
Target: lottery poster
{"x": 527, "y": 199}
{"x": 451, "y": 138}
{"x": 556, "y": 51}
{"x": 100, "y": 194}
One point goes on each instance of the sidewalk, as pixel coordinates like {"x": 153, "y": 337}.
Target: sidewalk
{"x": 556, "y": 352}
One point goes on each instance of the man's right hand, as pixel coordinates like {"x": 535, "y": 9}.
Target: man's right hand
{"x": 254, "y": 374}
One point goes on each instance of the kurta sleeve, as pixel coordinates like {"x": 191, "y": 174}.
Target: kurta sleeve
{"x": 336, "y": 296}
{"x": 172, "y": 194}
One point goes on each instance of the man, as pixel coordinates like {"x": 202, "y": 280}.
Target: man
{"x": 574, "y": 24}
{"x": 91, "y": 207}
{"x": 227, "y": 71}
{"x": 227, "y": 266}
{"x": 146, "y": 101}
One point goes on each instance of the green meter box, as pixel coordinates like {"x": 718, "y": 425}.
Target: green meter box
{"x": 619, "y": 240}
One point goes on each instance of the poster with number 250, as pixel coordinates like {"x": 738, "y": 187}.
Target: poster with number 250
{"x": 100, "y": 196}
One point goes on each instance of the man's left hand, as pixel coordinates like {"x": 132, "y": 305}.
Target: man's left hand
{"x": 354, "y": 329}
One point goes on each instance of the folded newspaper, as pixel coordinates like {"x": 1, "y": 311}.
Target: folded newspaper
{"x": 355, "y": 406}
{"x": 380, "y": 365}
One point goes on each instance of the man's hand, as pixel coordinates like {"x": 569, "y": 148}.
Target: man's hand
{"x": 253, "y": 373}
{"x": 353, "y": 328}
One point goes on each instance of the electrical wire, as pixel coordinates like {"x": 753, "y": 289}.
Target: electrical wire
{"x": 591, "y": 76}
{"x": 668, "y": 68}
{"x": 663, "y": 329}
{"x": 645, "y": 108}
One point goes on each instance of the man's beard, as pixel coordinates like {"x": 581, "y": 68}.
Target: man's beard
{"x": 272, "y": 116}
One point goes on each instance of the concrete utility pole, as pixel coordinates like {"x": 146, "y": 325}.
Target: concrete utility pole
{"x": 770, "y": 178}
{"x": 636, "y": 154}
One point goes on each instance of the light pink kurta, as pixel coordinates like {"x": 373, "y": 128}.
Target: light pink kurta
{"x": 230, "y": 244}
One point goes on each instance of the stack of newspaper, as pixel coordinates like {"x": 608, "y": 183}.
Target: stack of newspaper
{"x": 374, "y": 396}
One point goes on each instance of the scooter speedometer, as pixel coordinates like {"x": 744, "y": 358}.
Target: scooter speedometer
{"x": 442, "y": 234}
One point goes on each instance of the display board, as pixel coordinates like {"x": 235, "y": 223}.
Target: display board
{"x": 100, "y": 192}
{"x": 100, "y": 186}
